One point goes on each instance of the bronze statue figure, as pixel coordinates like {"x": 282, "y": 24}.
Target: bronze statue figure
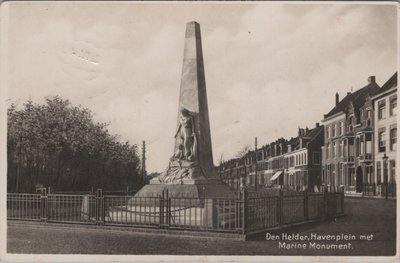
{"x": 187, "y": 135}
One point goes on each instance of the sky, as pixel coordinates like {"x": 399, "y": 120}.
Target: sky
{"x": 269, "y": 67}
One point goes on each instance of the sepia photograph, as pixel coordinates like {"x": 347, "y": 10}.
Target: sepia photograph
{"x": 221, "y": 129}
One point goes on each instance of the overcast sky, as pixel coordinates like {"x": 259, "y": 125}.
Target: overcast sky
{"x": 269, "y": 67}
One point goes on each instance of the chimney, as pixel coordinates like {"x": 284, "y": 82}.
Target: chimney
{"x": 371, "y": 79}
{"x": 337, "y": 99}
{"x": 348, "y": 93}
{"x": 317, "y": 125}
{"x": 301, "y": 132}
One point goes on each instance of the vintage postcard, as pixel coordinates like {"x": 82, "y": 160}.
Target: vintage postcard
{"x": 204, "y": 131}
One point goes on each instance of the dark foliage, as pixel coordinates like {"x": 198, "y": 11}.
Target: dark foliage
{"x": 59, "y": 145}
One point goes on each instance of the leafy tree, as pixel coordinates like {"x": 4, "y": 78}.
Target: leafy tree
{"x": 59, "y": 145}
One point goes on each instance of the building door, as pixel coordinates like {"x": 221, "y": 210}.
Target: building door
{"x": 359, "y": 179}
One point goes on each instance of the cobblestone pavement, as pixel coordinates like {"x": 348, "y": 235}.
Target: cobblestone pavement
{"x": 364, "y": 217}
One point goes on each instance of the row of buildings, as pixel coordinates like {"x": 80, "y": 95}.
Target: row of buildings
{"x": 353, "y": 149}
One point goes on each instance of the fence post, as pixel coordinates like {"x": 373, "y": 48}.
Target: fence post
{"x": 168, "y": 210}
{"x": 326, "y": 203}
{"x": 342, "y": 200}
{"x": 43, "y": 205}
{"x": 280, "y": 207}
{"x": 245, "y": 211}
{"x": 161, "y": 209}
{"x": 99, "y": 207}
{"x": 306, "y": 205}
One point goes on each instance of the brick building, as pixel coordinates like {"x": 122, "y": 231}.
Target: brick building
{"x": 385, "y": 146}
{"x": 292, "y": 164}
{"x": 348, "y": 146}
{"x": 303, "y": 159}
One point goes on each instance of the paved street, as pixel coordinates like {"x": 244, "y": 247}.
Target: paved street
{"x": 364, "y": 216}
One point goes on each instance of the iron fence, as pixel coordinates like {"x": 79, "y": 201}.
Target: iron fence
{"x": 247, "y": 213}
{"x": 288, "y": 208}
{"x": 373, "y": 189}
{"x": 24, "y": 206}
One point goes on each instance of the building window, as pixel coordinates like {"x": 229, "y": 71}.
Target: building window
{"x": 393, "y": 139}
{"x": 341, "y": 128}
{"x": 392, "y": 164}
{"x": 351, "y": 120}
{"x": 368, "y": 147}
{"x": 327, "y": 131}
{"x": 328, "y": 174}
{"x": 357, "y": 146}
{"x": 328, "y": 149}
{"x": 334, "y": 150}
{"x": 393, "y": 105}
{"x": 381, "y": 109}
{"x": 316, "y": 159}
{"x": 361, "y": 147}
{"x": 378, "y": 172}
{"x": 333, "y": 130}
{"x": 345, "y": 148}
{"x": 381, "y": 140}
{"x": 368, "y": 118}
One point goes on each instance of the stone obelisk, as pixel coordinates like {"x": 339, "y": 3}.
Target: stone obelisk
{"x": 193, "y": 97}
{"x": 191, "y": 170}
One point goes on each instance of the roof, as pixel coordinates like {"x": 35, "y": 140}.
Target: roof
{"x": 295, "y": 142}
{"x": 314, "y": 132}
{"x": 357, "y": 98}
{"x": 392, "y": 82}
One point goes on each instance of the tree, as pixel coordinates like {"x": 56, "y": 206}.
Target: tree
{"x": 243, "y": 151}
{"x": 60, "y": 145}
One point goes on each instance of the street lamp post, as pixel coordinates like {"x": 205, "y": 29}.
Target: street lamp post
{"x": 385, "y": 174}
{"x": 255, "y": 161}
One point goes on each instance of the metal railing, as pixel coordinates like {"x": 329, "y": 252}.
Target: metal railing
{"x": 373, "y": 189}
{"x": 288, "y": 208}
{"x": 24, "y": 206}
{"x": 246, "y": 213}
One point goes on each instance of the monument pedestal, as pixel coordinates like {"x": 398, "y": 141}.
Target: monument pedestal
{"x": 204, "y": 203}
{"x": 201, "y": 189}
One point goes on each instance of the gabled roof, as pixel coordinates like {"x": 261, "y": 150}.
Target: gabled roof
{"x": 310, "y": 134}
{"x": 294, "y": 142}
{"x": 357, "y": 98}
{"x": 314, "y": 132}
{"x": 392, "y": 82}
